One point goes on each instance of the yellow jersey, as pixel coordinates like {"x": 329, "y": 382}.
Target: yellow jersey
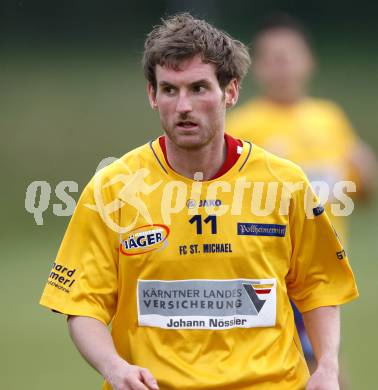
{"x": 314, "y": 133}
{"x": 196, "y": 276}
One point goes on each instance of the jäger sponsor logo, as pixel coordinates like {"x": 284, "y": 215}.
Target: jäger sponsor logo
{"x": 207, "y": 304}
{"x": 145, "y": 239}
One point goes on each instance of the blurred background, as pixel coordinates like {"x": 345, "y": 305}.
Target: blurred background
{"x": 72, "y": 93}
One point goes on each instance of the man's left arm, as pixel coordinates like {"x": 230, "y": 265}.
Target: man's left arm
{"x": 319, "y": 280}
{"x": 323, "y": 328}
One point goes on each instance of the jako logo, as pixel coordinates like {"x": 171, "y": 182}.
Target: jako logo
{"x": 145, "y": 239}
{"x": 191, "y": 203}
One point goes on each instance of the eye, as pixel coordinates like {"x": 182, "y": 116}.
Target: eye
{"x": 168, "y": 90}
{"x": 199, "y": 88}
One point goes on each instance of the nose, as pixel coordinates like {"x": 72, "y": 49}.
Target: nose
{"x": 184, "y": 104}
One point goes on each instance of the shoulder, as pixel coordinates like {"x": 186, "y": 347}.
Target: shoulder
{"x": 139, "y": 161}
{"x": 131, "y": 161}
{"x": 270, "y": 167}
{"x": 325, "y": 107}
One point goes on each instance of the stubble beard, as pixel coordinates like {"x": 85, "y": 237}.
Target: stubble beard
{"x": 206, "y": 134}
{"x": 204, "y": 137}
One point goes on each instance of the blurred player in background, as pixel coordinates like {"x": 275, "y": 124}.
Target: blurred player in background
{"x": 285, "y": 120}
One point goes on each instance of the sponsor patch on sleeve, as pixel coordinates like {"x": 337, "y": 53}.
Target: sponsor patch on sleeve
{"x": 207, "y": 304}
{"x": 318, "y": 210}
{"x": 61, "y": 277}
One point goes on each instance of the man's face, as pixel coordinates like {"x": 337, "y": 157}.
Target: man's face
{"x": 283, "y": 64}
{"x": 191, "y": 103}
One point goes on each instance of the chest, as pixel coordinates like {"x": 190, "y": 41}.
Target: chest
{"x": 220, "y": 236}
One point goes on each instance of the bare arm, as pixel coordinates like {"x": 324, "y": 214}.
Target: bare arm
{"x": 323, "y": 328}
{"x": 94, "y": 342}
{"x": 364, "y": 162}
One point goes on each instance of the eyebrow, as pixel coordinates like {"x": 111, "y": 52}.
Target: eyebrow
{"x": 165, "y": 84}
{"x": 197, "y": 82}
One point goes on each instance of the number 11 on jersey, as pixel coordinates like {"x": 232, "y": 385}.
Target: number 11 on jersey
{"x": 198, "y": 220}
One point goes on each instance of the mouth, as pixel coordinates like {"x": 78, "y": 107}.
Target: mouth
{"x": 186, "y": 125}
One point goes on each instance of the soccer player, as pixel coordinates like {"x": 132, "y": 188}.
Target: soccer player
{"x": 285, "y": 120}
{"x": 192, "y": 245}
{"x": 314, "y": 133}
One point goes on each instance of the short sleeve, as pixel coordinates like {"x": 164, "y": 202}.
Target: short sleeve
{"x": 83, "y": 278}
{"x": 319, "y": 274}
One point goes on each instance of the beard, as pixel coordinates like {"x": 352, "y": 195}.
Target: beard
{"x": 191, "y": 140}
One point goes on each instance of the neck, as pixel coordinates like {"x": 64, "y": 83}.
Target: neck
{"x": 207, "y": 159}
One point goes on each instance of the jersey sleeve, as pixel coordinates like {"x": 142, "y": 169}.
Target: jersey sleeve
{"x": 83, "y": 278}
{"x": 357, "y": 156}
{"x": 345, "y": 128}
{"x": 319, "y": 274}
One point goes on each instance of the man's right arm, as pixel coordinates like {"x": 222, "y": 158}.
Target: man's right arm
{"x": 94, "y": 342}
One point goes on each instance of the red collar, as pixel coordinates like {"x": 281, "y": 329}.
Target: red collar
{"x": 232, "y": 155}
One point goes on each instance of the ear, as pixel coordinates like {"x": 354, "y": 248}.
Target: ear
{"x": 231, "y": 93}
{"x": 152, "y": 96}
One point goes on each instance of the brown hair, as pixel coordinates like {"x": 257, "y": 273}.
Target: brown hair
{"x": 181, "y": 36}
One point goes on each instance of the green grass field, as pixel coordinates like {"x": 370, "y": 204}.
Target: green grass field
{"x": 61, "y": 113}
